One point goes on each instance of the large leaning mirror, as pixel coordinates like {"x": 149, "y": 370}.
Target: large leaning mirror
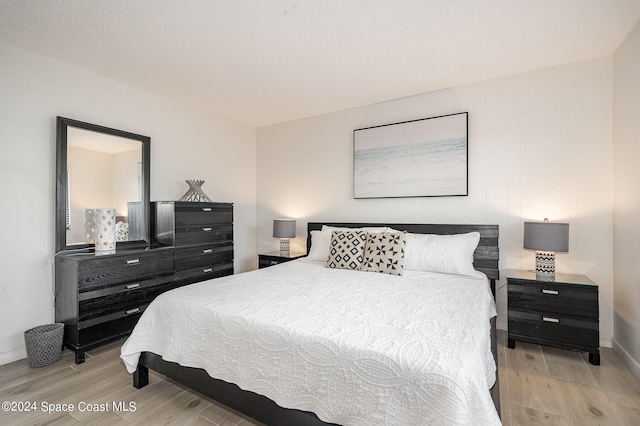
{"x": 99, "y": 167}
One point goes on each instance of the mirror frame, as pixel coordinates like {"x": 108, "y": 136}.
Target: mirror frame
{"x": 62, "y": 125}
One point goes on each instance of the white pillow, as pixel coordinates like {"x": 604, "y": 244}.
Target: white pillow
{"x": 319, "y": 251}
{"x": 447, "y": 254}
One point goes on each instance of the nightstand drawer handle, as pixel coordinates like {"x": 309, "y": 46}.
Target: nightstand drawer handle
{"x": 132, "y": 311}
{"x": 133, "y": 261}
{"x": 206, "y": 229}
{"x": 206, "y": 209}
{"x": 548, "y": 319}
{"x": 132, "y": 286}
{"x": 274, "y": 262}
{"x": 208, "y": 270}
{"x": 550, "y": 291}
{"x": 207, "y": 251}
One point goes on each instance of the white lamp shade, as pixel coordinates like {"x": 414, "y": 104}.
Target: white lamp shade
{"x": 546, "y": 236}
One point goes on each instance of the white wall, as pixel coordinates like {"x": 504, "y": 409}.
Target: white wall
{"x": 185, "y": 144}
{"x": 88, "y": 193}
{"x": 539, "y": 146}
{"x": 626, "y": 199}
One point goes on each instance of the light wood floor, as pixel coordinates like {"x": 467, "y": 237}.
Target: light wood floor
{"x": 539, "y": 385}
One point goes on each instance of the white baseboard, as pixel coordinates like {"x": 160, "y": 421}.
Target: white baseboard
{"x": 626, "y": 357}
{"x": 11, "y": 356}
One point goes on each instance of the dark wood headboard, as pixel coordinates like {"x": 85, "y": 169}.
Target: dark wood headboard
{"x": 485, "y": 258}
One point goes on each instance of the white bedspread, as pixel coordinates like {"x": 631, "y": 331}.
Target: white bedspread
{"x": 356, "y": 348}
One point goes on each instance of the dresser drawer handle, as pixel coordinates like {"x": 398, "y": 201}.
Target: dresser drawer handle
{"x": 207, "y": 270}
{"x": 207, "y": 251}
{"x": 206, "y": 229}
{"x": 132, "y": 311}
{"x": 548, "y": 319}
{"x": 544, "y": 291}
{"x": 133, "y": 261}
{"x": 206, "y": 209}
{"x": 132, "y": 286}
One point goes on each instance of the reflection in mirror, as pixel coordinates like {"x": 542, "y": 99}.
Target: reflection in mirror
{"x": 99, "y": 167}
{"x": 103, "y": 171}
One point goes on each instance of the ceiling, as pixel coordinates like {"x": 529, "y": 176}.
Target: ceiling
{"x": 261, "y": 62}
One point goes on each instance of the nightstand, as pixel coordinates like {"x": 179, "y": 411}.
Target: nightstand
{"x": 274, "y": 257}
{"x": 563, "y": 313}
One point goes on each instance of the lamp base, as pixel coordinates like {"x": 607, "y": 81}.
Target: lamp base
{"x": 284, "y": 247}
{"x": 545, "y": 265}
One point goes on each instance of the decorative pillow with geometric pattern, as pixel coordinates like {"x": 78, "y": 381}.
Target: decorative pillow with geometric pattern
{"x": 346, "y": 249}
{"x": 384, "y": 253}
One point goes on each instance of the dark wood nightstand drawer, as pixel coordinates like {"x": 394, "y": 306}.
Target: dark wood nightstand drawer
{"x": 266, "y": 262}
{"x": 551, "y": 297}
{"x": 564, "y": 331}
{"x": 274, "y": 258}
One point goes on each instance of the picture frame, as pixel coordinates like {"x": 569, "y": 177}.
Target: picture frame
{"x": 427, "y": 157}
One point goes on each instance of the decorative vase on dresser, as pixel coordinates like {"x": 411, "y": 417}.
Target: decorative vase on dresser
{"x": 201, "y": 234}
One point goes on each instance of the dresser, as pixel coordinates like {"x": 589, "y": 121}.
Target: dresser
{"x": 201, "y": 234}
{"x": 99, "y": 298}
{"x": 563, "y": 313}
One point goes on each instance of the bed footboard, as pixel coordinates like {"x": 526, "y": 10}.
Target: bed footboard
{"x": 251, "y": 404}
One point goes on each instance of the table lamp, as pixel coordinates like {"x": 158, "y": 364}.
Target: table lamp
{"x": 546, "y": 238}
{"x": 284, "y": 229}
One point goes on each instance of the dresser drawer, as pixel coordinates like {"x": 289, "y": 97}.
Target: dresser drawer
{"x": 562, "y": 299}
{"x": 129, "y": 309}
{"x": 107, "y": 308}
{"x": 126, "y": 288}
{"x": 205, "y": 255}
{"x": 564, "y": 331}
{"x": 203, "y": 213}
{"x": 206, "y": 272}
{"x": 98, "y": 305}
{"x": 205, "y": 234}
{"x": 101, "y": 272}
{"x": 120, "y": 325}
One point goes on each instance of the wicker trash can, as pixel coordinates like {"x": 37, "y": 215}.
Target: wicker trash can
{"x": 44, "y": 344}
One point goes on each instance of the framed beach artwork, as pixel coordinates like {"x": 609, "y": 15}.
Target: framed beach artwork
{"x": 418, "y": 158}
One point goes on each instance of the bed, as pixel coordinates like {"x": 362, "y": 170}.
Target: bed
{"x": 333, "y": 345}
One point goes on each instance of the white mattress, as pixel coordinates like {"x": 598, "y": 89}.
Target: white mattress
{"x": 356, "y": 348}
